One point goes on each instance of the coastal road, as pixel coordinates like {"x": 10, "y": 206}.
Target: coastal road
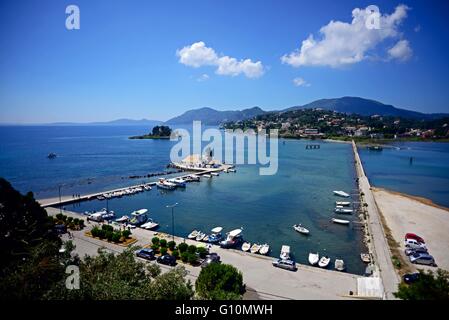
{"x": 261, "y": 278}
{"x": 382, "y": 253}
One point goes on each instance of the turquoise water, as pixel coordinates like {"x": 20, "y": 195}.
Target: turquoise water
{"x": 426, "y": 176}
{"x": 265, "y": 206}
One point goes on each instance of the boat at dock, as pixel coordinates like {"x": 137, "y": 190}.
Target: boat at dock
{"x": 232, "y": 170}
{"x": 246, "y": 246}
{"x": 166, "y": 185}
{"x": 216, "y": 174}
{"x": 285, "y": 252}
{"x": 192, "y": 178}
{"x": 207, "y": 175}
{"x": 200, "y": 236}
{"x": 339, "y": 265}
{"x": 215, "y": 235}
{"x": 255, "y": 248}
{"x": 375, "y": 148}
{"x": 299, "y": 228}
{"x": 314, "y": 258}
{"x": 122, "y": 219}
{"x": 343, "y": 210}
{"x": 233, "y": 238}
{"x": 324, "y": 262}
{"x": 193, "y": 234}
{"x": 264, "y": 249}
{"x": 366, "y": 257}
{"x": 342, "y": 203}
{"x": 179, "y": 182}
{"x": 138, "y": 217}
{"x": 341, "y": 194}
{"x": 340, "y": 221}
{"x": 150, "y": 224}
{"x": 101, "y": 215}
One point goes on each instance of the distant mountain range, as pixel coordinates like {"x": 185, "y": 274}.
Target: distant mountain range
{"x": 118, "y": 122}
{"x": 209, "y": 116}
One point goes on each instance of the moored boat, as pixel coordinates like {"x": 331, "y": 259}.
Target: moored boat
{"x": 340, "y": 221}
{"x": 193, "y": 234}
{"x": 342, "y": 203}
{"x": 314, "y": 258}
{"x": 366, "y": 257}
{"x": 255, "y": 248}
{"x": 233, "y": 237}
{"x": 339, "y": 265}
{"x": 150, "y": 224}
{"x": 166, "y": 185}
{"x": 246, "y": 246}
{"x": 207, "y": 175}
{"x": 138, "y": 217}
{"x": 179, "y": 182}
{"x": 299, "y": 228}
{"x": 215, "y": 236}
{"x": 343, "y": 210}
{"x": 122, "y": 219}
{"x": 324, "y": 262}
{"x": 264, "y": 249}
{"x": 285, "y": 252}
{"x": 200, "y": 236}
{"x": 341, "y": 194}
{"x": 216, "y": 174}
{"x": 232, "y": 170}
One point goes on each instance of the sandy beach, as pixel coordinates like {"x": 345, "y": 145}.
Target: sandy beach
{"x": 403, "y": 213}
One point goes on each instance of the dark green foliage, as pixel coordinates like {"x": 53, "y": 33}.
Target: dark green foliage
{"x": 155, "y": 240}
{"x": 182, "y": 247}
{"x": 155, "y": 247}
{"x": 219, "y": 282}
{"x": 184, "y": 256}
{"x": 163, "y": 243}
{"x": 202, "y": 252}
{"x": 192, "y": 258}
{"x": 192, "y": 249}
{"x": 161, "y": 131}
{"x": 163, "y": 250}
{"x": 175, "y": 254}
{"x": 116, "y": 236}
{"x": 126, "y": 233}
{"x": 430, "y": 286}
{"x": 171, "y": 245}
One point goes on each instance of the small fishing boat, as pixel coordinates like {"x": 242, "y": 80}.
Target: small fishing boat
{"x": 216, "y": 174}
{"x": 147, "y": 187}
{"x": 200, "y": 236}
{"x": 206, "y": 238}
{"x": 255, "y": 248}
{"x": 339, "y": 265}
{"x": 366, "y": 257}
{"x": 215, "y": 236}
{"x": 166, "y": 185}
{"x": 246, "y": 246}
{"x": 192, "y": 178}
{"x": 233, "y": 238}
{"x": 150, "y": 224}
{"x": 340, "y": 221}
{"x": 299, "y": 228}
{"x": 324, "y": 262}
{"x": 101, "y": 198}
{"x": 341, "y": 194}
{"x": 122, "y": 219}
{"x": 264, "y": 249}
{"x": 342, "y": 203}
{"x": 343, "y": 210}
{"x": 179, "y": 182}
{"x": 314, "y": 258}
{"x": 232, "y": 170}
{"x": 138, "y": 217}
{"x": 207, "y": 175}
{"x": 193, "y": 234}
{"x": 285, "y": 252}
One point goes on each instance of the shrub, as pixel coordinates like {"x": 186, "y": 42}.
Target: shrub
{"x": 185, "y": 256}
{"x": 81, "y": 223}
{"x": 163, "y": 251}
{"x": 163, "y": 243}
{"x": 116, "y": 237}
{"x": 171, "y": 245}
{"x": 192, "y": 249}
{"x": 69, "y": 219}
{"x": 126, "y": 233}
{"x": 155, "y": 247}
{"x": 155, "y": 240}
{"x": 95, "y": 231}
{"x": 182, "y": 247}
{"x": 109, "y": 235}
{"x": 219, "y": 282}
{"x": 101, "y": 234}
{"x": 76, "y": 221}
{"x": 64, "y": 218}
{"x": 107, "y": 227}
{"x": 71, "y": 225}
{"x": 192, "y": 258}
{"x": 202, "y": 252}
{"x": 175, "y": 254}
{"x": 59, "y": 216}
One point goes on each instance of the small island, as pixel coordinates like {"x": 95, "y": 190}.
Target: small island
{"x": 158, "y": 132}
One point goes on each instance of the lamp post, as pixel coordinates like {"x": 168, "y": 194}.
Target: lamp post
{"x": 172, "y": 219}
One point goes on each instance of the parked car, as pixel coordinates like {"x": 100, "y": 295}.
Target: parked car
{"x": 210, "y": 258}
{"x": 414, "y": 236}
{"x": 145, "y": 253}
{"x": 167, "y": 260}
{"x": 285, "y": 264}
{"x": 413, "y": 244}
{"x": 410, "y": 277}
{"x": 409, "y": 251}
{"x": 422, "y": 258}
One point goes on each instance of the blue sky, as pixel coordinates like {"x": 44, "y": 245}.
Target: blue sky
{"x": 157, "y": 59}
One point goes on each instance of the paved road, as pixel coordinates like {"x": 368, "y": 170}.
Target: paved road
{"x": 390, "y": 279}
{"x": 258, "y": 273}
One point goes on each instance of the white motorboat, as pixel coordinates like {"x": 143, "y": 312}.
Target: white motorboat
{"x": 150, "y": 224}
{"x": 255, "y": 248}
{"x": 339, "y": 265}
{"x": 314, "y": 258}
{"x": 299, "y": 228}
{"x": 200, "y": 236}
{"x": 285, "y": 252}
{"x": 193, "y": 234}
{"x": 341, "y": 194}
{"x": 233, "y": 237}
{"x": 147, "y": 187}
{"x": 246, "y": 246}
{"x": 366, "y": 257}
{"x": 179, "y": 182}
{"x": 340, "y": 221}
{"x": 216, "y": 174}
{"x": 138, "y": 217}
{"x": 343, "y": 210}
{"x": 207, "y": 175}
{"x": 192, "y": 177}
{"x": 264, "y": 249}
{"x": 164, "y": 184}
{"x": 122, "y": 219}
{"x": 215, "y": 236}
{"x": 342, "y": 203}
{"x": 324, "y": 262}
{"x": 232, "y": 170}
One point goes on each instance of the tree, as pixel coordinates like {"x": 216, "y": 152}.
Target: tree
{"x": 219, "y": 282}
{"x": 172, "y": 285}
{"x": 162, "y": 131}
{"x": 429, "y": 286}
{"x": 202, "y": 252}
{"x": 182, "y": 247}
{"x": 192, "y": 249}
{"x": 163, "y": 243}
{"x": 155, "y": 240}
{"x": 171, "y": 245}
{"x": 126, "y": 233}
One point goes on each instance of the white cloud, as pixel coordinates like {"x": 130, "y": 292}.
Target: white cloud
{"x": 203, "y": 77}
{"x": 401, "y": 51}
{"x": 198, "y": 55}
{"x": 300, "y": 82}
{"x": 344, "y": 43}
